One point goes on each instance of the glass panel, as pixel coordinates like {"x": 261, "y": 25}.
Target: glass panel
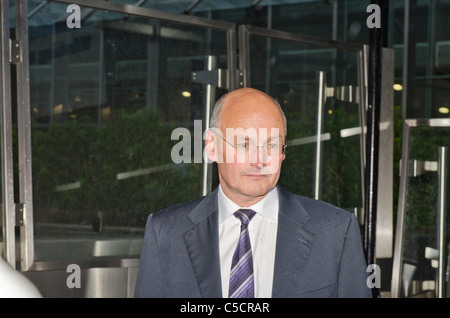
{"x": 105, "y": 100}
{"x": 420, "y": 234}
{"x": 288, "y": 71}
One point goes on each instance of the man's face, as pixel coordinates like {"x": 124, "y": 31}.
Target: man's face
{"x": 249, "y": 151}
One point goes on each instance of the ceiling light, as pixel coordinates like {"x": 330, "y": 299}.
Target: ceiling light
{"x": 444, "y": 110}
{"x": 57, "y": 110}
{"x": 398, "y": 87}
{"x": 186, "y": 94}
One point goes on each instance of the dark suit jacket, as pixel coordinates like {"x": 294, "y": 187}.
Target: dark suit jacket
{"x": 318, "y": 251}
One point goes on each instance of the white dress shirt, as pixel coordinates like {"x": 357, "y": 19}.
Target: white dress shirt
{"x": 263, "y": 233}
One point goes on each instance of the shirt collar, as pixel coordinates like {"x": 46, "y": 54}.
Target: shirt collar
{"x": 267, "y": 207}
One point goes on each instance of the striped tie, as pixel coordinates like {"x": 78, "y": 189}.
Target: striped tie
{"x": 241, "y": 276}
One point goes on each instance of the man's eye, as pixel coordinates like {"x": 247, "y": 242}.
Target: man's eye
{"x": 243, "y": 145}
{"x": 273, "y": 146}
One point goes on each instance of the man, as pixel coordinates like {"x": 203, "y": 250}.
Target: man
{"x": 288, "y": 245}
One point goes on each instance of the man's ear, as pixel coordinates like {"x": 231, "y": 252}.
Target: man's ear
{"x": 210, "y": 146}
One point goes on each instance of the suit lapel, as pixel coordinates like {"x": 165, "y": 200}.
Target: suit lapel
{"x": 202, "y": 243}
{"x": 293, "y": 245}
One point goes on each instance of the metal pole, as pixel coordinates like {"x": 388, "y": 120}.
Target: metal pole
{"x": 320, "y": 79}
{"x": 372, "y": 139}
{"x": 431, "y": 58}
{"x": 397, "y": 265}
{"x": 269, "y": 52}
{"x": 7, "y": 179}
{"x": 24, "y": 139}
{"x": 442, "y": 221}
{"x": 408, "y": 58}
{"x": 209, "y": 99}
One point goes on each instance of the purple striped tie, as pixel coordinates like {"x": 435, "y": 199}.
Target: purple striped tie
{"x": 241, "y": 276}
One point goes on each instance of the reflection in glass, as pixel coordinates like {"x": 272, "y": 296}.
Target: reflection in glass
{"x": 289, "y": 72}
{"x": 105, "y": 99}
{"x": 420, "y": 247}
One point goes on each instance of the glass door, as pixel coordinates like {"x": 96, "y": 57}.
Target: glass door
{"x": 420, "y": 267}
{"x": 108, "y": 93}
{"x": 111, "y": 92}
{"x": 320, "y": 86}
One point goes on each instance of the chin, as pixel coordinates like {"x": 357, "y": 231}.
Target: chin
{"x": 255, "y": 189}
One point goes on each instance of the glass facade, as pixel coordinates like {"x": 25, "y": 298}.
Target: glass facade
{"x": 111, "y": 81}
{"x": 420, "y": 264}
{"x": 291, "y": 71}
{"x": 105, "y": 99}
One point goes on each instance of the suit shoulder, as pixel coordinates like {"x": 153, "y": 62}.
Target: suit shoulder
{"x": 328, "y": 218}
{"x": 323, "y": 209}
{"x": 164, "y": 221}
{"x": 180, "y": 208}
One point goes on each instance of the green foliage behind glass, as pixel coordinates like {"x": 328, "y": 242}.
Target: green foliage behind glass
{"x": 79, "y": 151}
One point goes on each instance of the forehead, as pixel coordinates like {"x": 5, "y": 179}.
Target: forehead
{"x": 252, "y": 133}
{"x": 251, "y": 110}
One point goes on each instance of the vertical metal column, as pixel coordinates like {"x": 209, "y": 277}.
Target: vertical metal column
{"x": 363, "y": 65}
{"x": 101, "y": 77}
{"x": 408, "y": 66}
{"x": 244, "y": 55}
{"x": 209, "y": 100}
{"x": 151, "y": 84}
{"x": 431, "y": 58}
{"x": 397, "y": 265}
{"x": 232, "y": 82}
{"x": 268, "y": 52}
{"x": 24, "y": 139}
{"x": 442, "y": 222}
{"x": 405, "y": 56}
{"x": 7, "y": 178}
{"x": 372, "y": 139}
{"x": 320, "y": 80}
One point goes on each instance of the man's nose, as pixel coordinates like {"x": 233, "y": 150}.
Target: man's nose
{"x": 258, "y": 158}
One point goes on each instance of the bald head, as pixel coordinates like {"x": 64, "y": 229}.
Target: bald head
{"x": 247, "y": 102}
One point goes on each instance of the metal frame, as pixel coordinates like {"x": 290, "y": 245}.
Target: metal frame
{"x": 228, "y": 27}
{"x": 24, "y": 121}
{"x": 385, "y": 166}
{"x": 245, "y": 31}
{"x": 398, "y": 248}
{"x": 321, "y": 96}
{"x": 208, "y": 105}
{"x": 442, "y": 222}
{"x": 383, "y": 226}
{"x": 7, "y": 177}
{"x": 24, "y": 141}
{"x": 23, "y": 75}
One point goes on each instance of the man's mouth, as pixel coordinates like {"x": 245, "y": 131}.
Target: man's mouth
{"x": 256, "y": 176}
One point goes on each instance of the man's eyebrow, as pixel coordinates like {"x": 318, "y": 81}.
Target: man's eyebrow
{"x": 280, "y": 136}
{"x": 247, "y": 138}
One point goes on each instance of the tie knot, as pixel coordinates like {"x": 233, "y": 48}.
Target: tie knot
{"x": 245, "y": 215}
